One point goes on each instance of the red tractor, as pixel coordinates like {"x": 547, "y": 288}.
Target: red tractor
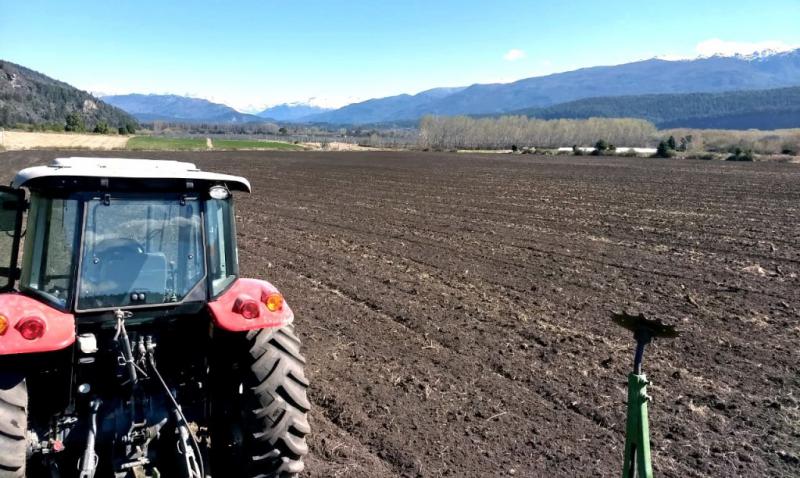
{"x": 129, "y": 345}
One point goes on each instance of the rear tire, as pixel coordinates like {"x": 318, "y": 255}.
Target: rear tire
{"x": 261, "y": 431}
{"x": 13, "y": 425}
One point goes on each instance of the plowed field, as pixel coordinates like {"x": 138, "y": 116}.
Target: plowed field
{"x": 455, "y": 309}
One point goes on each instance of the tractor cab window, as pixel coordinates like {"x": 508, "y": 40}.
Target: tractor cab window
{"x": 140, "y": 251}
{"x": 12, "y": 203}
{"x": 220, "y": 237}
{"x": 50, "y": 242}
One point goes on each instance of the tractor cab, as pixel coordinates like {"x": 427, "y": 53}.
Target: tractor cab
{"x": 108, "y": 234}
{"x": 128, "y": 341}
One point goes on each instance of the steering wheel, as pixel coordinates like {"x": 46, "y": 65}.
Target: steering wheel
{"x": 118, "y": 247}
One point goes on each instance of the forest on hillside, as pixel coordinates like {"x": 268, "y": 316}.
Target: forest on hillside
{"x": 31, "y": 99}
{"x": 761, "y": 109}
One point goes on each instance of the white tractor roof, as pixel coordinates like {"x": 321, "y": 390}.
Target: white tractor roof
{"x": 126, "y": 168}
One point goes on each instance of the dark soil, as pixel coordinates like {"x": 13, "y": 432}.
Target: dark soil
{"x": 455, "y": 309}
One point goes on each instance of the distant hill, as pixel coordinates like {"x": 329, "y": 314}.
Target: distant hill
{"x": 292, "y": 112}
{"x": 385, "y": 110}
{"x": 654, "y": 76}
{"x": 763, "y": 109}
{"x": 178, "y": 109}
{"x": 29, "y": 97}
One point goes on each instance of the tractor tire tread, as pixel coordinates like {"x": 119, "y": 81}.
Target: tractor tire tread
{"x": 282, "y": 404}
{"x": 13, "y": 425}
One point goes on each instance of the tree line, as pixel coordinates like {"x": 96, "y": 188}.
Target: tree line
{"x": 463, "y": 132}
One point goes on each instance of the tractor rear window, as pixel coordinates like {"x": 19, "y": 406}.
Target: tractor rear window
{"x": 140, "y": 251}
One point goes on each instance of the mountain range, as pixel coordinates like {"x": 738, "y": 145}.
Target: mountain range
{"x": 175, "y": 108}
{"x": 752, "y": 91}
{"x": 716, "y": 74}
{"x": 292, "y": 112}
{"x": 389, "y": 109}
{"x": 654, "y": 76}
{"x": 28, "y": 97}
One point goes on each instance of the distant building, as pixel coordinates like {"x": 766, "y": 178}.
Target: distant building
{"x": 637, "y": 150}
{"x": 618, "y": 150}
{"x": 584, "y": 149}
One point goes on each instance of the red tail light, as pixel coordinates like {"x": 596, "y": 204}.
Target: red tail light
{"x": 31, "y": 328}
{"x": 3, "y": 324}
{"x": 247, "y": 307}
{"x": 250, "y": 310}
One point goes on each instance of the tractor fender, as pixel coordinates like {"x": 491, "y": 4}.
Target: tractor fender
{"x": 15, "y": 308}
{"x": 226, "y": 309}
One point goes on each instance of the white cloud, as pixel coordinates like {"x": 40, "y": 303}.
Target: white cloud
{"x": 715, "y": 46}
{"x": 514, "y": 54}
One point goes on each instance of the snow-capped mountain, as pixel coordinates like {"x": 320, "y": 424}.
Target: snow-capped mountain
{"x": 718, "y": 73}
{"x": 292, "y": 112}
{"x": 177, "y": 108}
{"x": 722, "y": 71}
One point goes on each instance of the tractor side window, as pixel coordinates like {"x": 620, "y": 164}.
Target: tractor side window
{"x": 49, "y": 245}
{"x": 220, "y": 235}
{"x": 11, "y": 203}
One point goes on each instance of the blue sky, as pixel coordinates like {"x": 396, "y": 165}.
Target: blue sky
{"x": 252, "y": 53}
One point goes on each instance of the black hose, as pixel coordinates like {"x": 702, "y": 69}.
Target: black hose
{"x": 90, "y": 459}
{"x": 642, "y": 339}
{"x": 178, "y": 410}
{"x": 637, "y": 359}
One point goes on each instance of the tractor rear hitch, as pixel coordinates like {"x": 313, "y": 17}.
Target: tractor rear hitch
{"x": 187, "y": 444}
{"x": 185, "y": 448}
{"x": 121, "y": 336}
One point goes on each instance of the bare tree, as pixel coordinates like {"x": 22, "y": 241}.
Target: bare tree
{"x": 451, "y": 132}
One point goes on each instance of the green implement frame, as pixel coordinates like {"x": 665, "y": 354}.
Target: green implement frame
{"x": 637, "y": 430}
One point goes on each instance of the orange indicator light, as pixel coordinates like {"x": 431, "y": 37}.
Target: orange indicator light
{"x": 273, "y": 301}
